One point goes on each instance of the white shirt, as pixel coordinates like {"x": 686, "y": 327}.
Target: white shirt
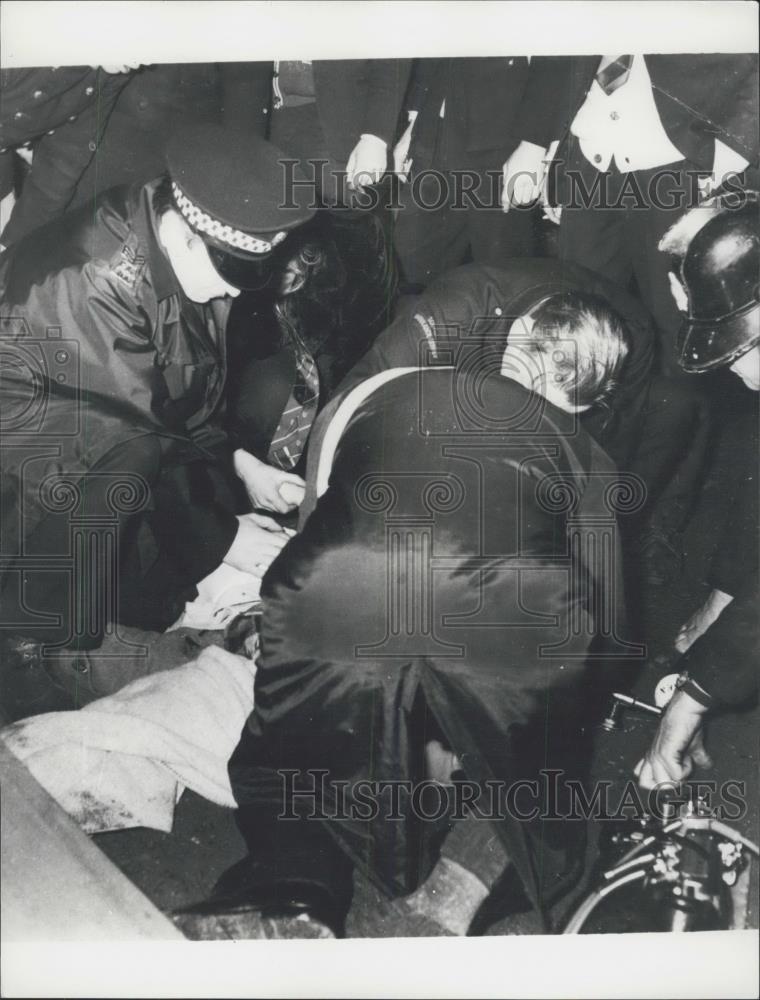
{"x": 624, "y": 126}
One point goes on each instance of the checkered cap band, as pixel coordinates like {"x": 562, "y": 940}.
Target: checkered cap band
{"x": 203, "y": 223}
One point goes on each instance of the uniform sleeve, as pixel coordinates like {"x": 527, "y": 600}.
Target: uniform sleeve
{"x": 61, "y": 156}
{"x": 388, "y": 79}
{"x": 724, "y": 662}
{"x": 543, "y": 114}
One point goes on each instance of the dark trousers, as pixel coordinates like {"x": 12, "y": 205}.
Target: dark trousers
{"x": 142, "y": 533}
{"x": 432, "y": 235}
{"x": 612, "y": 222}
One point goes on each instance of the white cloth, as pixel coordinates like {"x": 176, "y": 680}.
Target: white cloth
{"x": 124, "y": 760}
{"x": 221, "y": 595}
{"x": 624, "y": 126}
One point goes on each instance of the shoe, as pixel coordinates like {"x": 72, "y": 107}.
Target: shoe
{"x": 26, "y": 687}
{"x": 248, "y": 895}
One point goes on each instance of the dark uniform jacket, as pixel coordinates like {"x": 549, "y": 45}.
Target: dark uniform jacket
{"x": 482, "y": 98}
{"x": 160, "y": 100}
{"x": 356, "y": 97}
{"x": 101, "y": 347}
{"x": 63, "y": 111}
{"x": 474, "y": 302}
{"x": 433, "y": 578}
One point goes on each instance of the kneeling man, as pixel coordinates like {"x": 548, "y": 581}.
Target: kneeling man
{"x": 442, "y": 598}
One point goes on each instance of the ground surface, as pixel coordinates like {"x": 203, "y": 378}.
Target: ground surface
{"x": 178, "y": 869}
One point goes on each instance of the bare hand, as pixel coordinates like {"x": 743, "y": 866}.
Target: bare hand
{"x": 367, "y": 162}
{"x": 678, "y": 745}
{"x": 523, "y": 176}
{"x": 268, "y": 488}
{"x": 258, "y": 542}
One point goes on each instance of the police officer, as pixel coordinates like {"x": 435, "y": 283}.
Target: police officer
{"x": 716, "y": 284}
{"x": 113, "y": 330}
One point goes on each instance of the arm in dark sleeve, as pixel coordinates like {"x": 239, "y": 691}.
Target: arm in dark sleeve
{"x": 387, "y": 83}
{"x": 59, "y": 161}
{"x": 555, "y": 89}
{"x": 724, "y": 661}
{"x": 424, "y": 77}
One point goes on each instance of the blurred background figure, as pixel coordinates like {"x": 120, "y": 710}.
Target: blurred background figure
{"x": 54, "y": 117}
{"x": 160, "y": 100}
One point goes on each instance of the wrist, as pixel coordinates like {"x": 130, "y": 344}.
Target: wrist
{"x": 375, "y": 138}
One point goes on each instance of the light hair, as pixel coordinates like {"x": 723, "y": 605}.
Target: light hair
{"x": 587, "y": 343}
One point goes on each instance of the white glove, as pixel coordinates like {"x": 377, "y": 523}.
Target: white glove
{"x": 367, "y": 162}
{"x": 523, "y": 175}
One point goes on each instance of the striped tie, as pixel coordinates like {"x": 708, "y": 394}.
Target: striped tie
{"x": 613, "y": 72}
{"x": 295, "y": 424}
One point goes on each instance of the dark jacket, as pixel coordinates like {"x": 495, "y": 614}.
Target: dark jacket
{"x": 158, "y": 101}
{"x": 699, "y": 98}
{"x": 356, "y": 96}
{"x": 402, "y": 598}
{"x": 63, "y": 111}
{"x": 474, "y": 301}
{"x": 103, "y": 347}
{"x": 482, "y": 96}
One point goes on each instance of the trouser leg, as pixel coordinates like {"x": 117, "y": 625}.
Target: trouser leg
{"x": 69, "y": 601}
{"x": 428, "y": 240}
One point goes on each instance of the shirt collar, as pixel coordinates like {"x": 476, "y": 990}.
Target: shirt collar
{"x": 146, "y": 222}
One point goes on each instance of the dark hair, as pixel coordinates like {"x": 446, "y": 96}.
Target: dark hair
{"x": 587, "y": 341}
{"x": 344, "y": 293}
{"x": 163, "y": 199}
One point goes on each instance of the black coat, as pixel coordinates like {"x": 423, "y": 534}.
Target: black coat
{"x": 102, "y": 347}
{"x": 433, "y": 576}
{"x": 63, "y": 112}
{"x": 482, "y": 95}
{"x": 475, "y": 301}
{"x": 353, "y": 97}
{"x": 160, "y": 100}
